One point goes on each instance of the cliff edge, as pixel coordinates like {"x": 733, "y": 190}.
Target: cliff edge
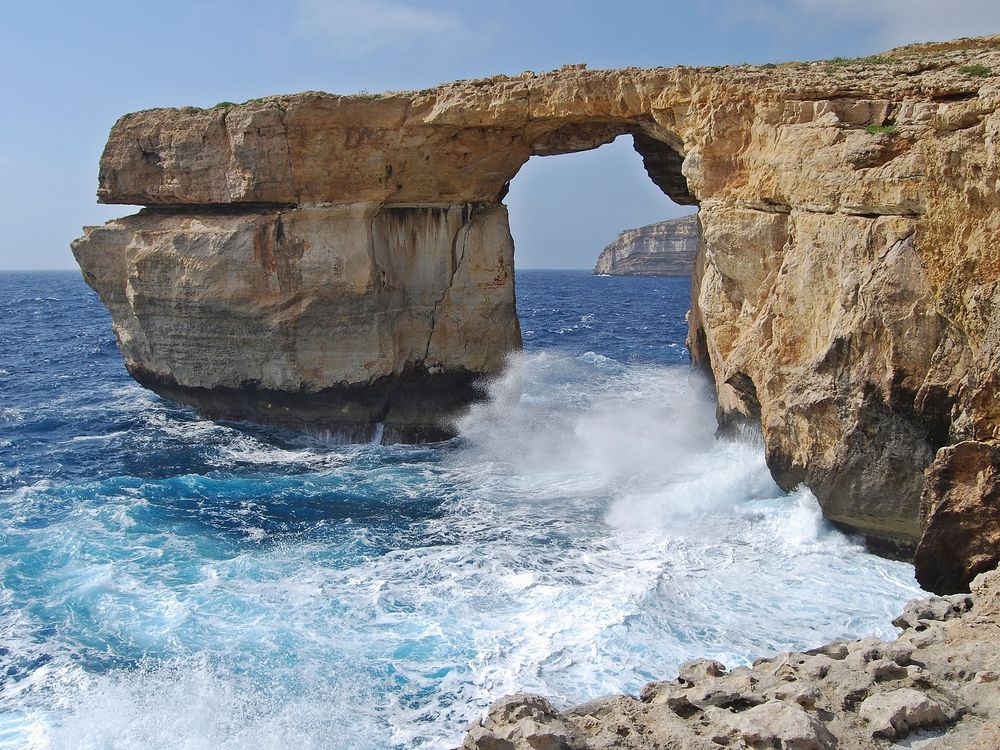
{"x": 667, "y": 248}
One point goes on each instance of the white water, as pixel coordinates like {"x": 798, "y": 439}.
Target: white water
{"x": 586, "y": 534}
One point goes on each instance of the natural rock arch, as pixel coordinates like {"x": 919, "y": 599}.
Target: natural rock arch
{"x": 344, "y": 261}
{"x": 351, "y": 257}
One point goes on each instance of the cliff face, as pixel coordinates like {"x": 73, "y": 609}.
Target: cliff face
{"x": 667, "y": 248}
{"x": 346, "y": 260}
{"x": 325, "y": 317}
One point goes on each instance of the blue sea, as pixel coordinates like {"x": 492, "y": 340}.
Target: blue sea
{"x": 167, "y": 581}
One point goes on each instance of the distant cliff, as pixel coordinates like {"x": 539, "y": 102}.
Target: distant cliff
{"x": 667, "y": 248}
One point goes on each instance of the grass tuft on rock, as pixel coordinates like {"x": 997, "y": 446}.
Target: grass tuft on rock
{"x": 882, "y": 129}
{"x": 976, "y": 70}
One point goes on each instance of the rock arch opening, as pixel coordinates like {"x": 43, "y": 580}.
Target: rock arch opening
{"x": 661, "y": 151}
{"x": 365, "y": 296}
{"x": 575, "y": 217}
{"x": 564, "y": 211}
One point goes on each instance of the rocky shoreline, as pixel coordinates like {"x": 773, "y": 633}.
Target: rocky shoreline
{"x": 938, "y": 682}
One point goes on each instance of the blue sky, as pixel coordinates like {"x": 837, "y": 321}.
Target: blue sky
{"x": 69, "y": 69}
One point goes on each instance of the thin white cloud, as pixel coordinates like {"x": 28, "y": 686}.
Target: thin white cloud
{"x": 363, "y": 27}
{"x": 908, "y": 21}
{"x": 892, "y": 22}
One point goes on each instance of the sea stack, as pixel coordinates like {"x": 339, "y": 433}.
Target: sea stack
{"x": 667, "y": 248}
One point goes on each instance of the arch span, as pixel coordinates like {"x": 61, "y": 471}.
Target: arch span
{"x": 346, "y": 261}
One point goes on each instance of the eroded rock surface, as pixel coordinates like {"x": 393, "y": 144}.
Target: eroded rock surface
{"x": 962, "y": 511}
{"x": 846, "y": 296}
{"x": 329, "y": 317}
{"x": 940, "y": 677}
{"x": 667, "y": 248}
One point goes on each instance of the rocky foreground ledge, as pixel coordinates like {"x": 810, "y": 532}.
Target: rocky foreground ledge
{"x": 937, "y": 687}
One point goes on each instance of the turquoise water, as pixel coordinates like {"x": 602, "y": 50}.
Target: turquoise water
{"x": 173, "y": 582}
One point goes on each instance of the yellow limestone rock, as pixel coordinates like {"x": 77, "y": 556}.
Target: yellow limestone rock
{"x": 343, "y": 261}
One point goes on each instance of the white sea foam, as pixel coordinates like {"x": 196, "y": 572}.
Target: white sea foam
{"x": 585, "y": 534}
{"x": 97, "y": 438}
{"x": 240, "y": 448}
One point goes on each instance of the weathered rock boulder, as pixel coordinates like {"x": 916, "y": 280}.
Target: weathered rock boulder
{"x": 345, "y": 261}
{"x": 778, "y": 724}
{"x": 962, "y": 516}
{"x": 667, "y": 248}
{"x": 898, "y": 713}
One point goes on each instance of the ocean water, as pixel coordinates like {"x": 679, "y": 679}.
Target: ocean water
{"x": 167, "y": 581}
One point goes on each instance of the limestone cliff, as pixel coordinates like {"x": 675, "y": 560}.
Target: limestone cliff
{"x": 324, "y": 317}
{"x": 667, "y": 248}
{"x": 347, "y": 260}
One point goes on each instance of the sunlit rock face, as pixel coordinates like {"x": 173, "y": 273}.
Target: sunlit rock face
{"x": 346, "y": 318}
{"x": 667, "y": 248}
{"x": 346, "y": 261}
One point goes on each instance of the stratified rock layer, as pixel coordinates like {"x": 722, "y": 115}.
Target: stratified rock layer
{"x": 941, "y": 676}
{"x": 341, "y": 318}
{"x": 349, "y": 257}
{"x": 667, "y": 248}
